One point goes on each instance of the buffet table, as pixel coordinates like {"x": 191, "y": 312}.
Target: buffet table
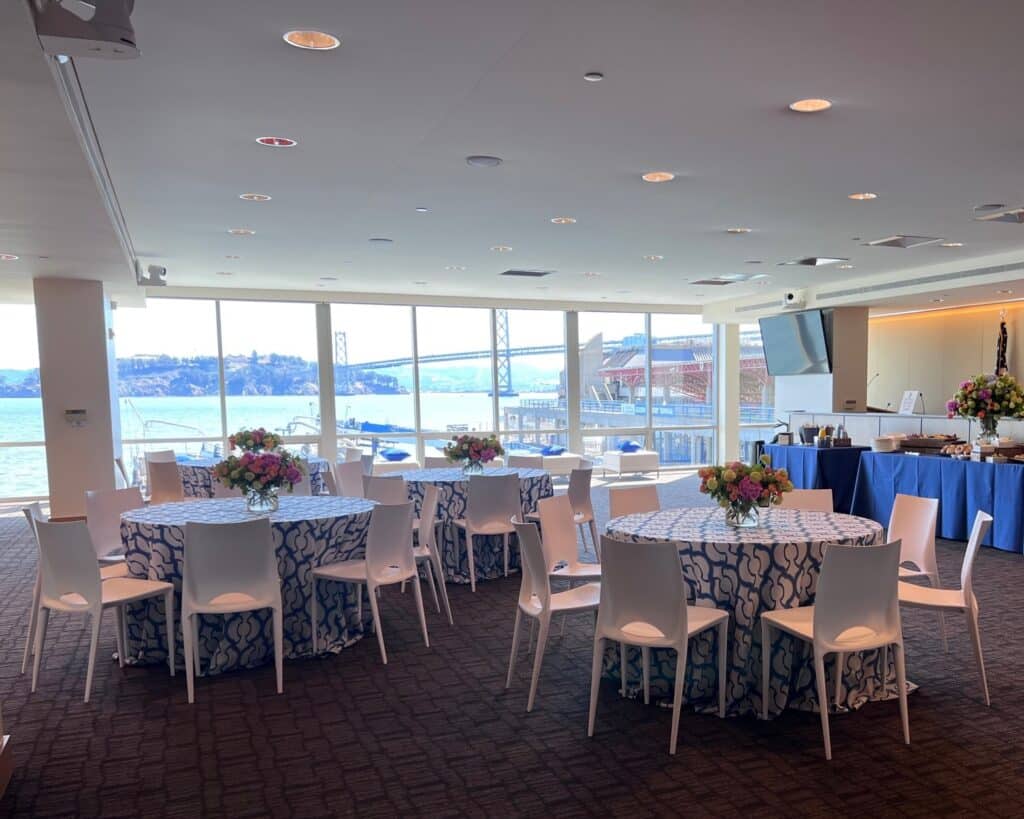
{"x": 453, "y": 486}
{"x": 746, "y": 572}
{"x": 962, "y": 487}
{"x": 197, "y": 475}
{"x": 811, "y": 467}
{"x": 307, "y": 531}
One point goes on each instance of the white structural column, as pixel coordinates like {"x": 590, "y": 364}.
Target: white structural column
{"x": 325, "y": 361}
{"x": 572, "y": 380}
{"x": 727, "y": 407}
{"x": 78, "y": 396}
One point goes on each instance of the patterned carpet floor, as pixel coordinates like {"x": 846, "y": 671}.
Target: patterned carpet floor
{"x": 436, "y": 733}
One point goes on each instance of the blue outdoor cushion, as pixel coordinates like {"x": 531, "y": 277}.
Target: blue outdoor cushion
{"x": 394, "y": 454}
{"x": 552, "y": 449}
{"x": 629, "y": 446}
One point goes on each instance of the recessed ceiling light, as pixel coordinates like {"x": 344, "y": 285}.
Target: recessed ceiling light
{"x": 752, "y": 261}
{"x": 937, "y": 301}
{"x": 810, "y": 106}
{"x": 455, "y": 267}
{"x": 328, "y": 278}
{"x": 8, "y": 257}
{"x": 952, "y": 244}
{"x": 593, "y": 76}
{"x": 277, "y": 142}
{"x": 563, "y": 220}
{"x": 846, "y": 267}
{"x": 699, "y": 295}
{"x": 483, "y": 161}
{"x": 225, "y": 273}
{"x": 737, "y": 230}
{"x": 654, "y": 257}
{"x": 501, "y": 248}
{"x": 623, "y": 292}
{"x": 422, "y": 210}
{"x": 862, "y": 197}
{"x": 1005, "y": 292}
{"x": 542, "y": 287}
{"x": 312, "y": 40}
{"x": 658, "y": 176}
{"x": 591, "y": 274}
{"x": 380, "y": 240}
{"x": 255, "y": 197}
{"x": 420, "y": 283}
{"x": 241, "y": 232}
{"x": 232, "y": 257}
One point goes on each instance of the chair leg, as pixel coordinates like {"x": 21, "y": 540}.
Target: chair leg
{"x": 278, "y": 615}
{"x": 766, "y": 664}
{"x": 677, "y": 698}
{"x": 377, "y": 624}
{"x": 723, "y": 642}
{"x": 819, "y": 678}
{"x": 840, "y": 665}
{"x": 933, "y": 581}
{"x": 124, "y": 630}
{"x": 538, "y": 658}
{"x": 504, "y": 551}
{"x": 195, "y": 644}
{"x": 314, "y": 617}
{"x": 359, "y": 604}
{"x": 94, "y": 643}
{"x": 596, "y": 540}
{"x": 168, "y": 623}
{"x": 645, "y": 661}
{"x": 439, "y": 571}
{"x": 583, "y": 537}
{"x": 472, "y": 561}
{"x": 975, "y": 631}
{"x": 33, "y": 620}
{"x": 417, "y": 591}
{"x": 190, "y": 659}
{"x": 119, "y": 634}
{"x": 595, "y": 682}
{"x": 623, "y": 651}
{"x": 533, "y": 631}
{"x": 515, "y": 645}
{"x": 42, "y": 619}
{"x": 901, "y": 681}
{"x": 428, "y": 570}
{"x": 885, "y": 668}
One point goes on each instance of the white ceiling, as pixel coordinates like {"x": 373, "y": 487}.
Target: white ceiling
{"x": 926, "y": 115}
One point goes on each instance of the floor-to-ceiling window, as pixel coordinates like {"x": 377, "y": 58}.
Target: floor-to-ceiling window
{"x": 757, "y": 392}
{"x": 22, "y": 452}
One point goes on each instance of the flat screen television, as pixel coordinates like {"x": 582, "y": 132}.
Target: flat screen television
{"x": 796, "y": 343}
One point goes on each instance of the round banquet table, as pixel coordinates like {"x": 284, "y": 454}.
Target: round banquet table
{"x": 453, "y": 486}
{"x": 197, "y": 475}
{"x": 307, "y": 532}
{"x": 746, "y": 572}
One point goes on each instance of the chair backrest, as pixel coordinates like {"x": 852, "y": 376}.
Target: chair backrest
{"x": 808, "y": 500}
{"x": 492, "y": 499}
{"x": 367, "y": 462}
{"x": 121, "y": 476}
{"x": 436, "y": 462}
{"x": 103, "y": 508}
{"x": 857, "y": 589}
{"x": 982, "y": 520}
{"x": 222, "y": 491}
{"x": 525, "y": 461}
{"x": 221, "y": 558}
{"x": 390, "y": 491}
{"x": 33, "y": 513}
{"x": 536, "y": 587}
{"x": 559, "y": 530}
{"x": 641, "y": 583}
{"x": 579, "y": 491}
{"x": 428, "y": 516}
{"x": 352, "y": 453}
{"x": 632, "y": 500}
{"x": 389, "y": 541}
{"x": 304, "y": 487}
{"x": 350, "y": 479}
{"x": 160, "y": 456}
{"x": 67, "y": 562}
{"x": 913, "y": 522}
{"x": 165, "y": 482}
{"x": 330, "y": 484}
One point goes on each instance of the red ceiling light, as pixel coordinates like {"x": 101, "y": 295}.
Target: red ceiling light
{"x": 8, "y": 257}
{"x": 277, "y": 142}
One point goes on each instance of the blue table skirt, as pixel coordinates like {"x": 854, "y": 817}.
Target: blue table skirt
{"x": 813, "y": 468}
{"x": 962, "y": 487}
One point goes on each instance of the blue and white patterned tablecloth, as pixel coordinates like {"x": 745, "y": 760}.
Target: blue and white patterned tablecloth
{"x": 453, "y": 486}
{"x": 746, "y": 572}
{"x": 307, "y": 531}
{"x": 197, "y": 475}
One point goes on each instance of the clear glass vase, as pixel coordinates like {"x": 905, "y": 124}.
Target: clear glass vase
{"x": 261, "y": 501}
{"x": 742, "y": 516}
{"x": 472, "y": 467}
{"x": 989, "y": 435}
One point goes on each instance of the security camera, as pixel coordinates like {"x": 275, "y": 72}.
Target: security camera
{"x": 86, "y": 28}
{"x": 794, "y": 299}
{"x": 155, "y": 275}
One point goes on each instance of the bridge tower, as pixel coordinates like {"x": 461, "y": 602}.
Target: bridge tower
{"x": 504, "y": 354}
{"x": 342, "y": 374}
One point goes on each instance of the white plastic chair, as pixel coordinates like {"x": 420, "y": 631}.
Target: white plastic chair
{"x": 855, "y": 609}
{"x": 913, "y": 522}
{"x": 367, "y": 462}
{"x": 526, "y": 461}
{"x": 221, "y": 491}
{"x": 161, "y": 456}
{"x": 436, "y": 462}
{"x": 352, "y": 454}
{"x": 103, "y": 508}
{"x": 560, "y": 545}
{"x": 957, "y": 600}
{"x": 536, "y": 600}
{"x": 583, "y": 506}
{"x": 808, "y": 500}
{"x": 350, "y": 479}
{"x": 643, "y": 603}
{"x": 491, "y": 503}
{"x": 426, "y": 550}
{"x": 389, "y": 491}
{"x": 70, "y": 582}
{"x": 165, "y": 483}
{"x": 304, "y": 488}
{"x": 121, "y": 475}
{"x": 632, "y": 500}
{"x": 389, "y": 560}
{"x": 229, "y": 568}
{"x": 330, "y": 484}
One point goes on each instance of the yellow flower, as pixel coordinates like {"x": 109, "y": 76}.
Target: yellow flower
{"x": 756, "y": 476}
{"x": 728, "y": 475}
{"x": 712, "y": 484}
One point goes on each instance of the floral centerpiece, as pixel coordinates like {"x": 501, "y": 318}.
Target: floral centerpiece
{"x": 260, "y": 470}
{"x": 987, "y": 398}
{"x": 473, "y": 452}
{"x": 740, "y": 489}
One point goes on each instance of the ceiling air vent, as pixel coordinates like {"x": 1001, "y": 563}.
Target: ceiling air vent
{"x": 900, "y": 240}
{"x": 1015, "y": 216}
{"x": 815, "y": 261}
{"x": 729, "y": 278}
{"x": 530, "y": 274}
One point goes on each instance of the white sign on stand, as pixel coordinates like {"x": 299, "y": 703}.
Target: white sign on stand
{"x": 909, "y": 402}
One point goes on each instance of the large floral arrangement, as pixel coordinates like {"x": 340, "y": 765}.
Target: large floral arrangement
{"x": 739, "y": 487}
{"x": 472, "y": 451}
{"x": 261, "y": 469}
{"x": 987, "y": 398}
